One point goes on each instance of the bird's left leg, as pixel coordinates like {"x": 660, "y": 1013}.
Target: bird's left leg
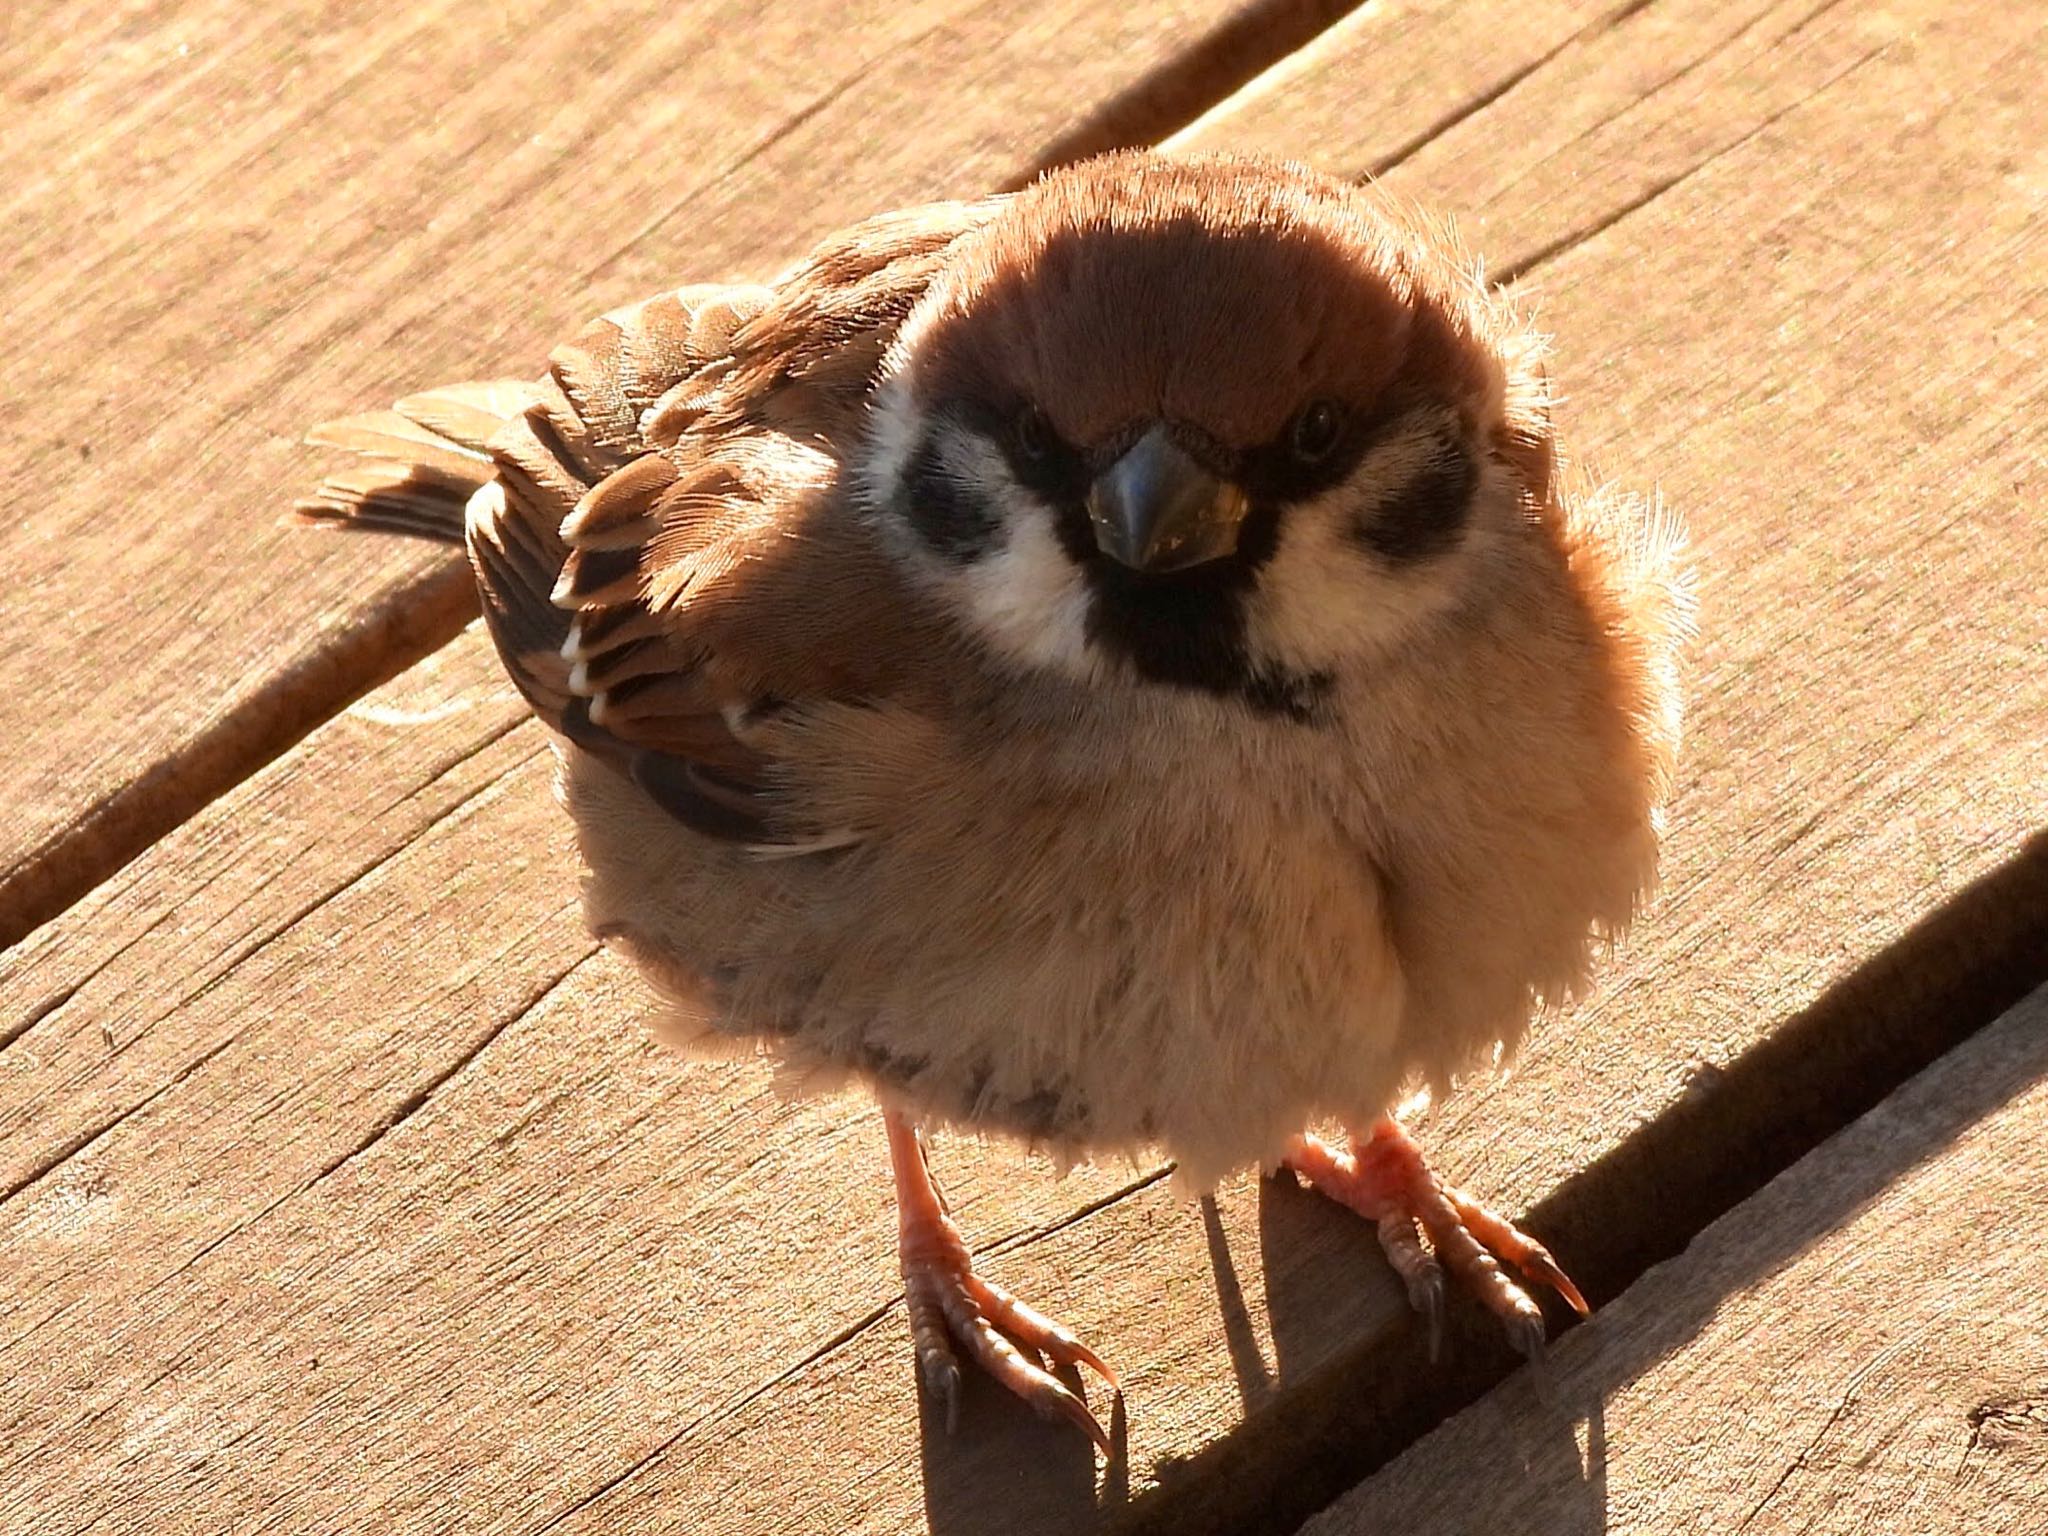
{"x": 950, "y": 1303}
{"x": 1383, "y": 1177}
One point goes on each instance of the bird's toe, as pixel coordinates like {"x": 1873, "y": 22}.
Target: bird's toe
{"x": 1429, "y": 1230}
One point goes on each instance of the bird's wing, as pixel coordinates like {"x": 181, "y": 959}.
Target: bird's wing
{"x": 665, "y": 555}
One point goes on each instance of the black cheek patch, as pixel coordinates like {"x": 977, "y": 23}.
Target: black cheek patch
{"x": 944, "y": 510}
{"x": 1424, "y": 517}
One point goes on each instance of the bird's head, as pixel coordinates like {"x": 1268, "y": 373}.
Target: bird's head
{"x": 1205, "y": 423}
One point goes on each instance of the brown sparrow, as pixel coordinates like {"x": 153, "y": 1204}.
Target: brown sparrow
{"x": 1115, "y": 664}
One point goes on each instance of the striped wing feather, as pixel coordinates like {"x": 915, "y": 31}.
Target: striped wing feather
{"x": 664, "y": 557}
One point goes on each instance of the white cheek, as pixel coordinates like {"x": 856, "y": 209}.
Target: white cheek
{"x": 1027, "y": 599}
{"x": 1022, "y": 595}
{"x": 893, "y": 431}
{"x": 1319, "y": 598}
{"x": 1323, "y": 599}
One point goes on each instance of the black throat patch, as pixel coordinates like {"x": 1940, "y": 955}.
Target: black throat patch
{"x": 1188, "y": 629}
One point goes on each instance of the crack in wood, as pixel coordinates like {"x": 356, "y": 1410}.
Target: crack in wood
{"x": 40, "y": 1012}
{"x": 1478, "y": 103}
{"x": 404, "y": 1110}
{"x": 466, "y": 802}
{"x": 1011, "y": 1242}
{"x": 725, "y": 1410}
{"x": 79, "y": 1142}
{"x": 82, "y": 1141}
{"x": 417, "y": 1100}
{"x": 1550, "y": 251}
{"x": 1843, "y": 1406}
{"x": 1692, "y": 66}
{"x": 234, "y": 958}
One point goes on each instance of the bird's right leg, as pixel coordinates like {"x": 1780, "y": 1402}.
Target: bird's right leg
{"x": 949, "y": 1303}
{"x": 1384, "y": 1177}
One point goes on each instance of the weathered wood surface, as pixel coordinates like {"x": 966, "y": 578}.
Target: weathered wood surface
{"x": 227, "y": 222}
{"x": 340, "y": 1186}
{"x": 1861, "y": 1347}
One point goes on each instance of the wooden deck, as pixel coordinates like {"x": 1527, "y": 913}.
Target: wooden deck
{"x": 339, "y": 1189}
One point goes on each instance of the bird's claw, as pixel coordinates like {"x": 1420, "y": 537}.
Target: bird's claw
{"x": 1517, "y": 1247}
{"x": 950, "y": 1304}
{"x": 1401, "y": 1241}
{"x": 942, "y": 1382}
{"x": 1385, "y": 1179}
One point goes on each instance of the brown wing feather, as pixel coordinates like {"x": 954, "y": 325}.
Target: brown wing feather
{"x": 671, "y": 563}
{"x": 577, "y": 457}
{"x": 422, "y": 460}
{"x": 657, "y": 527}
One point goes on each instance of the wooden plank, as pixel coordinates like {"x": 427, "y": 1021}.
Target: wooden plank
{"x": 550, "y": 1277}
{"x": 1537, "y": 154}
{"x": 226, "y": 225}
{"x": 1862, "y": 1346}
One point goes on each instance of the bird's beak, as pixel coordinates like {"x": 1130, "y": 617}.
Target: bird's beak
{"x": 1156, "y": 509}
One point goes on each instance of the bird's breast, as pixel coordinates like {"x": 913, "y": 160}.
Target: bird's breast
{"x": 1096, "y": 945}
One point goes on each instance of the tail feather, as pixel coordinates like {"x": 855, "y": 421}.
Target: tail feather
{"x": 470, "y": 414}
{"x": 420, "y": 461}
{"x": 399, "y": 438}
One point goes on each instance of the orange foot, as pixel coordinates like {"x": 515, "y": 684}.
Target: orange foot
{"x": 949, "y": 1303}
{"x": 1383, "y": 1177}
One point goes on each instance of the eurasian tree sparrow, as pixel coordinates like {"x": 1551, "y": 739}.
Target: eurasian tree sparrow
{"x": 1115, "y": 664}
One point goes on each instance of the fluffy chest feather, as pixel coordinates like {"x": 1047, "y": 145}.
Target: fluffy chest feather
{"x": 1107, "y": 919}
{"x": 1098, "y": 928}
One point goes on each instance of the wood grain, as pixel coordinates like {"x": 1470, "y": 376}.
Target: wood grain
{"x": 1863, "y": 1346}
{"x": 226, "y": 224}
{"x": 340, "y": 1193}
{"x": 1536, "y": 155}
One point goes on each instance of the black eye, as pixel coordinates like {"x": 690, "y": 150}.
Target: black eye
{"x": 1033, "y": 433}
{"x": 1316, "y": 431}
